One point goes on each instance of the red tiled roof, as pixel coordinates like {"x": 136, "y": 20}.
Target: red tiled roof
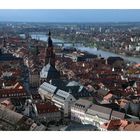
{"x": 11, "y": 91}
{"x": 133, "y": 127}
{"x": 115, "y": 124}
{"x": 46, "y": 108}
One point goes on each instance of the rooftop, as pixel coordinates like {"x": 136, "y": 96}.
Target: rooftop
{"x": 8, "y": 57}
{"x": 49, "y": 72}
{"x": 117, "y": 115}
{"x": 46, "y": 108}
{"x": 9, "y": 116}
{"x": 82, "y": 103}
{"x": 100, "y": 111}
{"x": 46, "y": 87}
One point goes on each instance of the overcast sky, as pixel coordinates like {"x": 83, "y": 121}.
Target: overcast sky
{"x": 70, "y": 15}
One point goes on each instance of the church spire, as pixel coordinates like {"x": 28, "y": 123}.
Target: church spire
{"x": 49, "y": 40}
{"x": 4, "y": 42}
{"x": 49, "y": 33}
{"x": 50, "y": 55}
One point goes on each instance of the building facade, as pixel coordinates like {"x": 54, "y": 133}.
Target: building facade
{"x": 47, "y": 112}
{"x": 78, "y": 110}
{"x": 47, "y": 91}
{"x": 63, "y": 100}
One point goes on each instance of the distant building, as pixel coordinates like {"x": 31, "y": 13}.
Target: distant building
{"x": 77, "y": 57}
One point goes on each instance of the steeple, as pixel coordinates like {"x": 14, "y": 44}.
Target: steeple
{"x": 4, "y": 42}
{"x": 50, "y": 55}
{"x": 0, "y": 51}
{"x": 49, "y": 72}
{"x": 49, "y": 40}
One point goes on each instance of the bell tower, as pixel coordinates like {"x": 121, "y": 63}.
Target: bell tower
{"x": 50, "y": 55}
{"x": 4, "y": 42}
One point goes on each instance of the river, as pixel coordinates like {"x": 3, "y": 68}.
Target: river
{"x": 104, "y": 54}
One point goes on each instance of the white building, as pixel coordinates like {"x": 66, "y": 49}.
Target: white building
{"x": 78, "y": 110}
{"x": 63, "y": 100}
{"x": 85, "y": 112}
{"x": 138, "y": 48}
{"x": 60, "y": 98}
{"x": 97, "y": 115}
{"x": 47, "y": 91}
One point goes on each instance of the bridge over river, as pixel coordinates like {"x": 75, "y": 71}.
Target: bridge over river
{"x": 42, "y": 36}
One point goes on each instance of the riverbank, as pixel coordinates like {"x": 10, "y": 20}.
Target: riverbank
{"x": 119, "y": 53}
{"x": 107, "y": 54}
{"x": 93, "y": 50}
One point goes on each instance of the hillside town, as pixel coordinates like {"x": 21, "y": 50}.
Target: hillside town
{"x": 45, "y": 86}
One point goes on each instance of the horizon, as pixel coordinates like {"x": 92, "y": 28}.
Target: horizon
{"x": 70, "y": 15}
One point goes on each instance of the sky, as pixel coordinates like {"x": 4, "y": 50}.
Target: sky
{"x": 58, "y": 15}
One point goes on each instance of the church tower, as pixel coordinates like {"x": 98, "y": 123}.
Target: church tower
{"x": 4, "y": 42}
{"x": 3, "y": 45}
{"x": 50, "y": 55}
{"x": 49, "y": 71}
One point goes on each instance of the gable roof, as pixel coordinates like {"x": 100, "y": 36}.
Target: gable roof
{"x": 73, "y": 84}
{"x": 9, "y": 115}
{"x": 62, "y": 93}
{"x": 102, "y": 92}
{"x": 46, "y": 108}
{"x": 117, "y": 115}
{"x": 77, "y": 90}
{"x": 82, "y": 103}
{"x": 100, "y": 111}
{"x": 49, "y": 72}
{"x": 46, "y": 87}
